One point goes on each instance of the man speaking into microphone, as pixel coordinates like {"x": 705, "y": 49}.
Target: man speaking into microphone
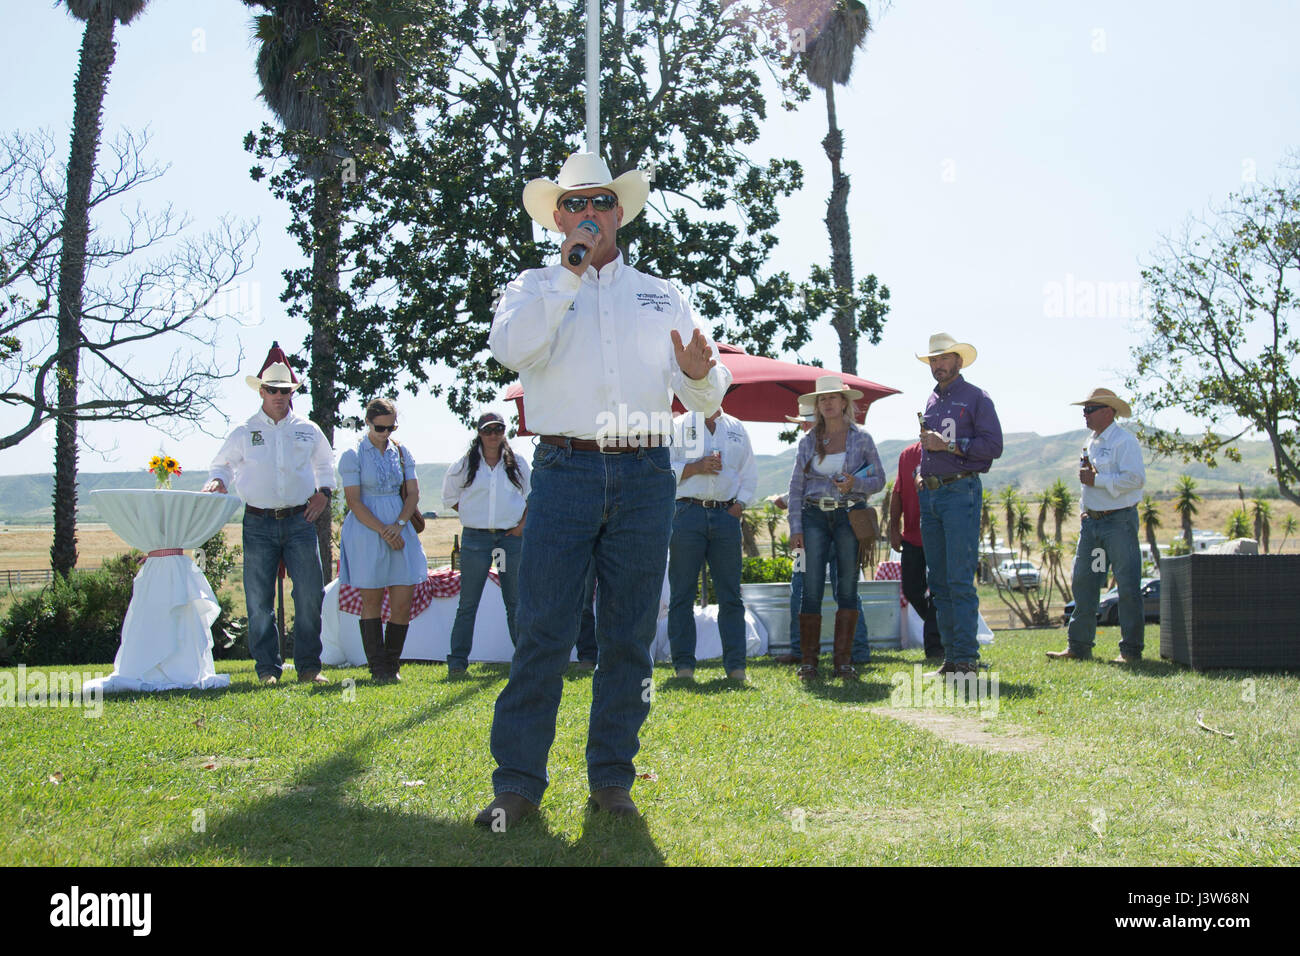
{"x": 600, "y": 349}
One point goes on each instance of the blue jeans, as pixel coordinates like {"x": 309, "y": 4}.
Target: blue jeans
{"x": 587, "y": 619}
{"x": 861, "y": 645}
{"x": 618, "y": 510}
{"x": 950, "y": 531}
{"x": 267, "y": 542}
{"x": 826, "y": 535}
{"x": 476, "y": 550}
{"x": 701, "y": 533}
{"x": 1108, "y": 541}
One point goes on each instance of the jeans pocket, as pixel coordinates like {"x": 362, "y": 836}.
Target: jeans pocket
{"x": 659, "y": 460}
{"x": 546, "y": 455}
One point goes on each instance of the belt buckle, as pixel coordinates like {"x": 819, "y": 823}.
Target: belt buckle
{"x": 827, "y": 503}
{"x": 931, "y": 482}
{"x": 607, "y": 447}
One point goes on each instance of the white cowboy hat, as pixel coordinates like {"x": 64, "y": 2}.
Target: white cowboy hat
{"x": 941, "y": 343}
{"x": 829, "y": 385}
{"x": 585, "y": 171}
{"x": 277, "y": 375}
{"x": 806, "y": 414}
{"x": 1104, "y": 396}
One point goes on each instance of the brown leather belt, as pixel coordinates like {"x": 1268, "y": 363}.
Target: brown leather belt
{"x": 611, "y": 446}
{"x": 709, "y": 503}
{"x": 276, "y": 513}
{"x": 937, "y": 481}
{"x": 1102, "y": 514}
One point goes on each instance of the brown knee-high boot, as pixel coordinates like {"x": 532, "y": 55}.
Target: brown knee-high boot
{"x": 845, "y": 624}
{"x": 810, "y": 644}
{"x": 372, "y": 641}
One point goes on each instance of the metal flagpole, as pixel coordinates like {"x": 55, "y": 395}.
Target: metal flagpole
{"x": 593, "y": 76}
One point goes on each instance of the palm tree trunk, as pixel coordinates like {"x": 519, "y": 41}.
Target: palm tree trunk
{"x": 843, "y": 319}
{"x": 1155, "y": 548}
{"x": 1187, "y": 531}
{"x": 324, "y": 326}
{"x": 97, "y": 54}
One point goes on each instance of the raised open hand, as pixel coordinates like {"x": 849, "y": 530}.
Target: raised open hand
{"x": 695, "y": 357}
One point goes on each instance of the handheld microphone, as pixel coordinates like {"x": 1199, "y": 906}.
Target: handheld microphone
{"x": 579, "y": 252}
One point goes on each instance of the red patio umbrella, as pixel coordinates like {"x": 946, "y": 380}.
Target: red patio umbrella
{"x": 762, "y": 389}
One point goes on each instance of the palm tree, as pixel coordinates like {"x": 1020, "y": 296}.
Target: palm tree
{"x": 1024, "y": 528}
{"x": 987, "y": 525}
{"x": 750, "y": 521}
{"x": 297, "y": 52}
{"x": 1185, "y": 502}
{"x": 1062, "y": 505}
{"x": 1044, "y": 509}
{"x": 1288, "y": 528}
{"x": 1149, "y": 515}
{"x": 1238, "y": 524}
{"x": 1010, "y": 500}
{"x": 827, "y": 61}
{"x": 1259, "y": 508}
{"x": 97, "y": 54}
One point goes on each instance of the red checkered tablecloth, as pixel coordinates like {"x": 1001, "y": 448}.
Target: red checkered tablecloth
{"x": 889, "y": 571}
{"x": 441, "y": 583}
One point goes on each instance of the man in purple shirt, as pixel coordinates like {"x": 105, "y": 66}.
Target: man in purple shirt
{"x": 960, "y": 437}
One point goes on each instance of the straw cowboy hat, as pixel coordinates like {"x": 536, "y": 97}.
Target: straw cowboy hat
{"x": 941, "y": 343}
{"x": 1104, "y": 396}
{"x": 806, "y": 414}
{"x": 585, "y": 171}
{"x": 829, "y": 385}
{"x": 276, "y": 375}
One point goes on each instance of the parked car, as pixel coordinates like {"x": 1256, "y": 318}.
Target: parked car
{"x": 1016, "y": 575}
{"x": 429, "y": 514}
{"x": 1108, "y": 606}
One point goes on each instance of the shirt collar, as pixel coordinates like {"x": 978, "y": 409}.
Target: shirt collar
{"x": 955, "y": 382}
{"x": 608, "y": 274}
{"x": 1109, "y": 428}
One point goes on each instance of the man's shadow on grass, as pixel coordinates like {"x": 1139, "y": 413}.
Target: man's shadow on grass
{"x": 319, "y": 822}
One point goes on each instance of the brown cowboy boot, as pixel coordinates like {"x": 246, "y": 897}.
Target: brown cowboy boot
{"x": 845, "y": 623}
{"x": 372, "y": 641}
{"x": 810, "y": 644}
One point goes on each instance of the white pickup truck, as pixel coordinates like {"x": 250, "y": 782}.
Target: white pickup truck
{"x": 1017, "y": 575}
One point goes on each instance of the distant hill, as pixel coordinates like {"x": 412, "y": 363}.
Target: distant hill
{"x": 1029, "y": 462}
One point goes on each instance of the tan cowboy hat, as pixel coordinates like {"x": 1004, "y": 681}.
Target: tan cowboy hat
{"x": 277, "y": 374}
{"x": 829, "y": 385}
{"x": 806, "y": 414}
{"x": 1104, "y": 396}
{"x": 585, "y": 171}
{"x": 941, "y": 343}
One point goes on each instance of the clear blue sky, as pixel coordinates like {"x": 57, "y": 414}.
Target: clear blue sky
{"x": 1003, "y": 154}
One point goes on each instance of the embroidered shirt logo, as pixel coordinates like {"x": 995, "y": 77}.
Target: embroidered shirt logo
{"x": 256, "y": 438}
{"x": 653, "y": 300}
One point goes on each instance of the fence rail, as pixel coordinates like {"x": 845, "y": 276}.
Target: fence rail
{"x": 17, "y": 577}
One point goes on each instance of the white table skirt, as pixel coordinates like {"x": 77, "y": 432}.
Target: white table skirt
{"x": 167, "y": 633}
{"x": 429, "y": 636}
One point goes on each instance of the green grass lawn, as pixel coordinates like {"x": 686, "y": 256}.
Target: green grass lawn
{"x": 1082, "y": 764}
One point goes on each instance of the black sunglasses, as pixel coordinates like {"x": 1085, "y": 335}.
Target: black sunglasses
{"x": 272, "y": 390}
{"x": 492, "y": 429}
{"x": 1089, "y": 409}
{"x": 602, "y": 203}
{"x": 383, "y": 429}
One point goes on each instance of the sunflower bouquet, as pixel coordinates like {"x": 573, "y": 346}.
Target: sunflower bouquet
{"x": 163, "y": 467}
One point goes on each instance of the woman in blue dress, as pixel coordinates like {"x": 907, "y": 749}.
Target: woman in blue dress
{"x": 380, "y": 549}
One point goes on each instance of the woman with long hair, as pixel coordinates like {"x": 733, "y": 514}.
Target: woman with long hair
{"x": 836, "y": 469}
{"x": 380, "y": 550}
{"x": 488, "y": 488}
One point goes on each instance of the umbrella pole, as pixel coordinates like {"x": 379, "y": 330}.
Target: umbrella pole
{"x": 593, "y": 76}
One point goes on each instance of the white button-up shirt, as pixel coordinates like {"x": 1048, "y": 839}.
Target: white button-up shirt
{"x": 275, "y": 464}
{"x": 594, "y": 354}
{"x": 692, "y": 441}
{"x": 1121, "y": 473}
{"x": 492, "y": 501}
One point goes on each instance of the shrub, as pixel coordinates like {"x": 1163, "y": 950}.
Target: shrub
{"x": 73, "y": 620}
{"x": 766, "y": 570}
